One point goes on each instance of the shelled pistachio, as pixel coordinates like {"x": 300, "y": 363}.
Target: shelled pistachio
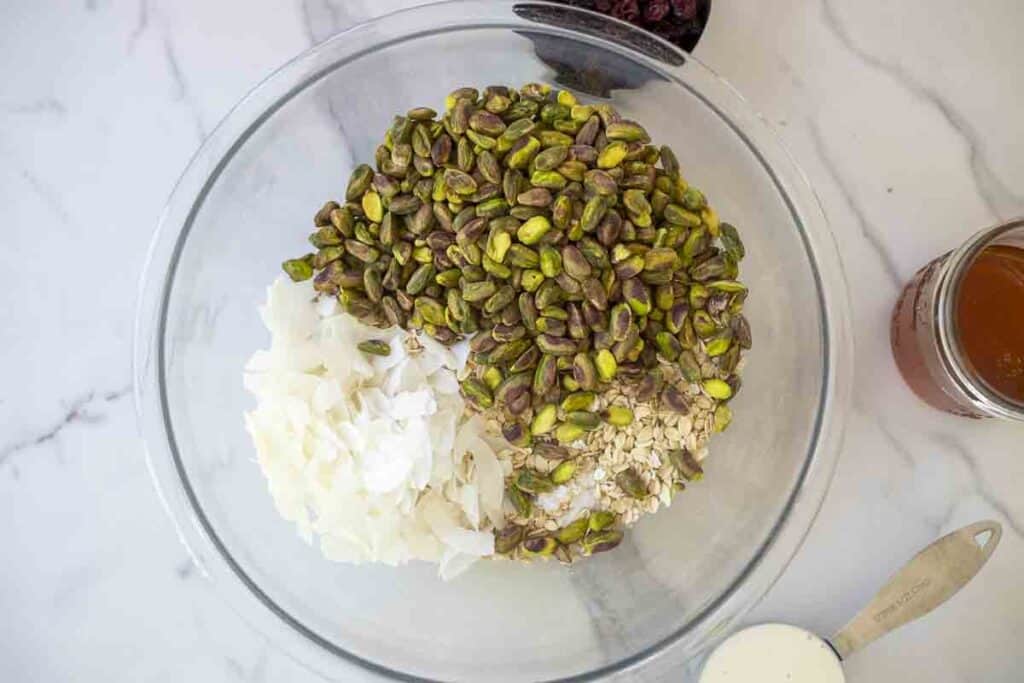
{"x": 551, "y": 230}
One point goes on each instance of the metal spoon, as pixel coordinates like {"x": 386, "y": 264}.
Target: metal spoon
{"x": 788, "y": 654}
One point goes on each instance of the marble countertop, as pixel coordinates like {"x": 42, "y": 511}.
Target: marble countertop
{"x": 906, "y": 116}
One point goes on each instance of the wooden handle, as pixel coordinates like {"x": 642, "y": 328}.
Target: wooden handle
{"x": 932, "y": 577}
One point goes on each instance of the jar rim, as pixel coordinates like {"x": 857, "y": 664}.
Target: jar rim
{"x": 954, "y": 359}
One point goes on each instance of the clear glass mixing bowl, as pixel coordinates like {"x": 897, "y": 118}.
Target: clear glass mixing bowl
{"x": 245, "y": 202}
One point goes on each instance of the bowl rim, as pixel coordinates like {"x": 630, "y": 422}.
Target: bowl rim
{"x": 167, "y": 471}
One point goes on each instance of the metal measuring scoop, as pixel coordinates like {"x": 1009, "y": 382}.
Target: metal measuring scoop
{"x": 788, "y": 654}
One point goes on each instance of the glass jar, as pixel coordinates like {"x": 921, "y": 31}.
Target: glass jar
{"x": 925, "y": 337}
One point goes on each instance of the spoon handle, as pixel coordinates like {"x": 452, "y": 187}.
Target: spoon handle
{"x": 933, "y": 576}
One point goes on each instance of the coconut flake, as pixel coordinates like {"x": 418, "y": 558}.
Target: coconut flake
{"x": 370, "y": 456}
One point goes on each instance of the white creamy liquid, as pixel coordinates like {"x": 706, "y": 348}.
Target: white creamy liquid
{"x": 773, "y": 653}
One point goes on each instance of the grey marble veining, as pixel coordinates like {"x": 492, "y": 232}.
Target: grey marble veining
{"x": 999, "y": 198}
{"x": 81, "y": 410}
{"x": 905, "y": 116}
{"x": 868, "y": 230}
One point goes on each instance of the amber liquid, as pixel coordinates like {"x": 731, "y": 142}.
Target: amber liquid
{"x": 909, "y": 322}
{"x": 990, "y": 319}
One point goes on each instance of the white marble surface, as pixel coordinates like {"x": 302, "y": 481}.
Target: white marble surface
{"x": 905, "y": 115}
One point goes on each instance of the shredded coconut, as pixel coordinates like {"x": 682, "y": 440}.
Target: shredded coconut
{"x": 370, "y": 455}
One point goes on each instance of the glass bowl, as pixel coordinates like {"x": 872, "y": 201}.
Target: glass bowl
{"x": 245, "y": 202}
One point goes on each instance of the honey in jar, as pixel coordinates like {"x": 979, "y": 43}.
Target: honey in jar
{"x": 990, "y": 318}
{"x": 958, "y": 328}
